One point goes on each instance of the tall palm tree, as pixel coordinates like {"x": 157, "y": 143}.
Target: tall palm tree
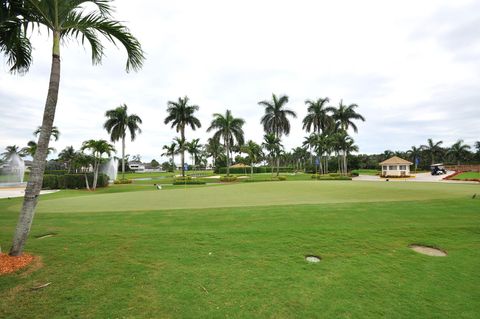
{"x": 318, "y": 116}
{"x": 98, "y": 148}
{"x": 31, "y": 149}
{"x": 67, "y": 155}
{"x": 82, "y": 162}
{"x": 432, "y": 148}
{"x": 170, "y": 150}
{"x": 118, "y": 123}
{"x": 273, "y": 146}
{"x": 415, "y": 153}
{"x": 64, "y": 20}
{"x": 254, "y": 152}
{"x": 182, "y": 115}
{"x": 12, "y": 150}
{"x": 345, "y": 115}
{"x": 214, "y": 149}
{"x": 275, "y": 120}
{"x": 229, "y": 129}
{"x": 55, "y": 132}
{"x": 194, "y": 148}
{"x": 458, "y": 151}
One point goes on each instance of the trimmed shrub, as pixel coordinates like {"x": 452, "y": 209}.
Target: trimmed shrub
{"x": 56, "y": 172}
{"x": 182, "y": 179}
{"x": 49, "y": 182}
{"x": 247, "y": 170}
{"x": 228, "y": 179}
{"x": 329, "y": 177}
{"x": 72, "y": 181}
{"x": 190, "y": 182}
{"x": 122, "y": 181}
{"x": 282, "y": 178}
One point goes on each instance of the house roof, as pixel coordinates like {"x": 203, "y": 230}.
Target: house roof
{"x": 395, "y": 160}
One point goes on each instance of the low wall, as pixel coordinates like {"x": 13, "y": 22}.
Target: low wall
{"x": 463, "y": 168}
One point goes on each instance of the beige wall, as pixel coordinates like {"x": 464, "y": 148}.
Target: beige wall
{"x": 396, "y": 170}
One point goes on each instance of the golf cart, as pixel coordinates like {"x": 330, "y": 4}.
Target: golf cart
{"x": 438, "y": 169}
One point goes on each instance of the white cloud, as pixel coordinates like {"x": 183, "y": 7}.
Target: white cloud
{"x": 411, "y": 66}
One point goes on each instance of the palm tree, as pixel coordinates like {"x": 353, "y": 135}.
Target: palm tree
{"x": 254, "y": 152}
{"x": 170, "y": 150}
{"x": 272, "y": 145}
{"x": 458, "y": 151}
{"x": 318, "y": 116}
{"x": 346, "y": 144}
{"x": 415, "y": 153}
{"x": 345, "y": 115}
{"x": 229, "y": 129}
{"x": 182, "y": 115}
{"x": 67, "y": 155}
{"x": 55, "y": 132}
{"x": 118, "y": 123}
{"x": 82, "y": 162}
{"x": 432, "y": 148}
{"x": 214, "y": 149}
{"x": 12, "y": 150}
{"x": 194, "y": 149}
{"x": 31, "y": 149}
{"x": 64, "y": 20}
{"x": 275, "y": 120}
{"x": 98, "y": 148}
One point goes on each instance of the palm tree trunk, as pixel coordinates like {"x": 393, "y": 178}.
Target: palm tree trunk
{"x": 95, "y": 174}
{"x": 183, "y": 152}
{"x": 173, "y": 163}
{"x": 251, "y": 168}
{"x": 278, "y": 165}
{"x": 228, "y": 157}
{"x": 34, "y": 184}
{"x": 123, "y": 158}
{"x": 86, "y": 181}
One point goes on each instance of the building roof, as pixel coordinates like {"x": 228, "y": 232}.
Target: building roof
{"x": 395, "y": 160}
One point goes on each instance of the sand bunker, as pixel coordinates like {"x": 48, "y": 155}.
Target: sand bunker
{"x": 429, "y": 251}
{"x": 312, "y": 258}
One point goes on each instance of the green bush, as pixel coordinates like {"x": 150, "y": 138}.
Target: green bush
{"x": 72, "y": 181}
{"x": 329, "y": 177}
{"x": 282, "y": 178}
{"x": 56, "y": 172}
{"x": 122, "y": 181}
{"x": 49, "y": 182}
{"x": 182, "y": 179}
{"x": 228, "y": 179}
{"x": 190, "y": 182}
{"x": 256, "y": 170}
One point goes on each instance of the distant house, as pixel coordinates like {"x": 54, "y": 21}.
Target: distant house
{"x": 395, "y": 166}
{"x": 136, "y": 166}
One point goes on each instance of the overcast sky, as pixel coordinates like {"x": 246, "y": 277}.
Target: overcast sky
{"x": 413, "y": 67}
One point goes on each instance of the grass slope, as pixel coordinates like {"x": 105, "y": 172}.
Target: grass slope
{"x": 247, "y": 262}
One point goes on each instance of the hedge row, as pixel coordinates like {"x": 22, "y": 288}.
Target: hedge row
{"x": 331, "y": 177}
{"x": 189, "y": 182}
{"x": 72, "y": 181}
{"x": 262, "y": 169}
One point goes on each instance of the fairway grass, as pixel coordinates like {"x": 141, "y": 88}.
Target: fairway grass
{"x": 255, "y": 194}
{"x": 248, "y": 261}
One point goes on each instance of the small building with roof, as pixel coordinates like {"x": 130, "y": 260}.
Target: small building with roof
{"x": 395, "y": 167}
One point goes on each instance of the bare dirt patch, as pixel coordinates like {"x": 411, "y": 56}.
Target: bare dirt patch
{"x": 313, "y": 258}
{"x": 429, "y": 251}
{"x": 9, "y": 264}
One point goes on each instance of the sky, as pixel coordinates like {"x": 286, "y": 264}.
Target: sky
{"x": 412, "y": 67}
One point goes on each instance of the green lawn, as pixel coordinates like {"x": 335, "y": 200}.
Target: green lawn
{"x": 468, "y": 175}
{"x": 238, "y": 251}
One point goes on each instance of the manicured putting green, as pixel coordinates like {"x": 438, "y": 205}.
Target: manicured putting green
{"x": 258, "y": 194}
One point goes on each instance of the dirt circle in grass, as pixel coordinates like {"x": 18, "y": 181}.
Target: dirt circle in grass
{"x": 9, "y": 264}
{"x": 313, "y": 258}
{"x": 429, "y": 251}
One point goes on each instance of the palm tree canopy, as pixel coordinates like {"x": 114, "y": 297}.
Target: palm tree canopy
{"x": 181, "y": 114}
{"x": 253, "y": 150}
{"x": 68, "y": 20}
{"x": 227, "y": 127}
{"x": 345, "y": 115}
{"x": 272, "y": 144}
{"x": 98, "y": 147}
{"x": 170, "y": 150}
{"x": 55, "y": 132}
{"x": 275, "y": 120}
{"x": 11, "y": 150}
{"x": 318, "y": 116}
{"x": 119, "y": 122}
